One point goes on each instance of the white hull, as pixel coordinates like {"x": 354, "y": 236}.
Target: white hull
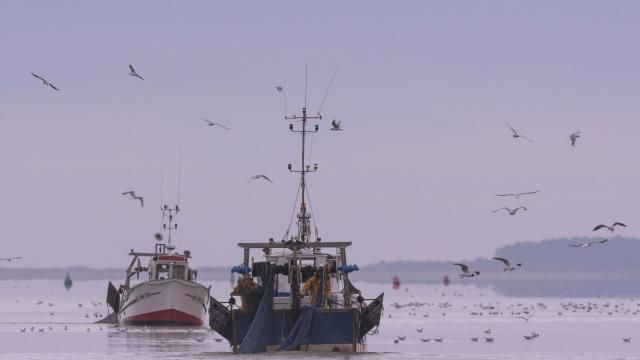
{"x": 164, "y": 302}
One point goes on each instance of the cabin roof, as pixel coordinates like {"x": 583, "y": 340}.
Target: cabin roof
{"x": 281, "y": 245}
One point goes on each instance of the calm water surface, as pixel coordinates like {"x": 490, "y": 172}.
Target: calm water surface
{"x": 454, "y": 314}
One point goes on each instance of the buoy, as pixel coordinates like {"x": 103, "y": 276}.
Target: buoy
{"x": 396, "y": 282}
{"x": 68, "y": 283}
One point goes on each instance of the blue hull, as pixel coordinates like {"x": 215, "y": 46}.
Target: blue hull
{"x": 331, "y": 330}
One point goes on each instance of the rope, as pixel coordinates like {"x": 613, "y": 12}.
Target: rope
{"x": 328, "y": 88}
{"x": 293, "y": 211}
{"x": 313, "y": 218}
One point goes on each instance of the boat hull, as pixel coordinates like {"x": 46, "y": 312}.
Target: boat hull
{"x": 165, "y": 302}
{"x": 333, "y": 330}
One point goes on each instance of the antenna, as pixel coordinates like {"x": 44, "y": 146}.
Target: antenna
{"x": 161, "y": 186}
{"x": 284, "y": 87}
{"x": 179, "y": 171}
{"x": 328, "y": 88}
{"x": 305, "y": 86}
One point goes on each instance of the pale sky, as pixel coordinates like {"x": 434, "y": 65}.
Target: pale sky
{"x": 423, "y": 91}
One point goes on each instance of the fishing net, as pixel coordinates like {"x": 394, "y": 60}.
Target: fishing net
{"x": 259, "y": 332}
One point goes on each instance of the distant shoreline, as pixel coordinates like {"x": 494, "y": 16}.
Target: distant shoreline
{"x": 550, "y": 269}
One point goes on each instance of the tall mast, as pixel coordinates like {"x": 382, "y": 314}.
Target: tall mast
{"x": 169, "y": 214}
{"x": 304, "y": 225}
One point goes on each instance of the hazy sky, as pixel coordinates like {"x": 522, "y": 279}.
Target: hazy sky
{"x": 424, "y": 91}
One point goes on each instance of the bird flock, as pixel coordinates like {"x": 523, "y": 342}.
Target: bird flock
{"x": 464, "y": 268}
{"x": 469, "y": 306}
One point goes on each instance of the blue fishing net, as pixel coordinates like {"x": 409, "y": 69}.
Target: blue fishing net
{"x": 301, "y": 328}
{"x": 259, "y": 332}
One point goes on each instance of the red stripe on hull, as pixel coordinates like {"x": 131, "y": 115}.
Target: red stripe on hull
{"x": 164, "y": 317}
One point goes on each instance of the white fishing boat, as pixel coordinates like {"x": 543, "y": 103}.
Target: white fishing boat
{"x": 170, "y": 295}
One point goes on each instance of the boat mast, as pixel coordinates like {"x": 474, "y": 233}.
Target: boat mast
{"x": 304, "y": 225}
{"x": 169, "y": 213}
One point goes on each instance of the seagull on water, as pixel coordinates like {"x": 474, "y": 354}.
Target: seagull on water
{"x": 257, "y": 177}
{"x": 518, "y": 135}
{"x": 574, "y": 137}
{"x": 45, "y": 82}
{"x": 611, "y": 228}
{"x": 211, "y": 123}
{"x": 465, "y": 271}
{"x": 588, "y": 244}
{"x": 133, "y": 196}
{"x": 517, "y": 195}
{"x": 525, "y": 318}
{"x": 133, "y": 72}
{"x": 511, "y": 211}
{"x": 11, "y": 258}
{"x": 507, "y": 265}
{"x": 336, "y": 125}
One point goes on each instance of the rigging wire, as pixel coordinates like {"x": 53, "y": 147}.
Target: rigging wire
{"x": 293, "y": 211}
{"x": 179, "y": 171}
{"x": 328, "y": 88}
{"x": 161, "y": 196}
{"x": 313, "y": 217}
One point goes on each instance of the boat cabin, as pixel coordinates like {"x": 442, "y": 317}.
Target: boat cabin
{"x": 170, "y": 267}
{"x": 305, "y": 259}
{"x": 161, "y": 267}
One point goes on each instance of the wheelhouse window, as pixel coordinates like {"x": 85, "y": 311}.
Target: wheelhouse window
{"x": 162, "y": 271}
{"x": 178, "y": 272}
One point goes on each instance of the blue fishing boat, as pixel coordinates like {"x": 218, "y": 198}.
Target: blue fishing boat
{"x": 273, "y": 315}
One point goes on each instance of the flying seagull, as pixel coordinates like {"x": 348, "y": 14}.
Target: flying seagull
{"x": 11, "y": 258}
{"x": 279, "y": 88}
{"x": 518, "y": 135}
{"x": 611, "y": 228}
{"x": 517, "y": 195}
{"x": 511, "y": 211}
{"x": 574, "y": 137}
{"x": 336, "y": 125}
{"x": 211, "y": 123}
{"x": 507, "y": 264}
{"x": 44, "y": 81}
{"x": 134, "y": 73}
{"x": 588, "y": 244}
{"x": 133, "y": 196}
{"x": 465, "y": 271}
{"x": 257, "y": 177}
